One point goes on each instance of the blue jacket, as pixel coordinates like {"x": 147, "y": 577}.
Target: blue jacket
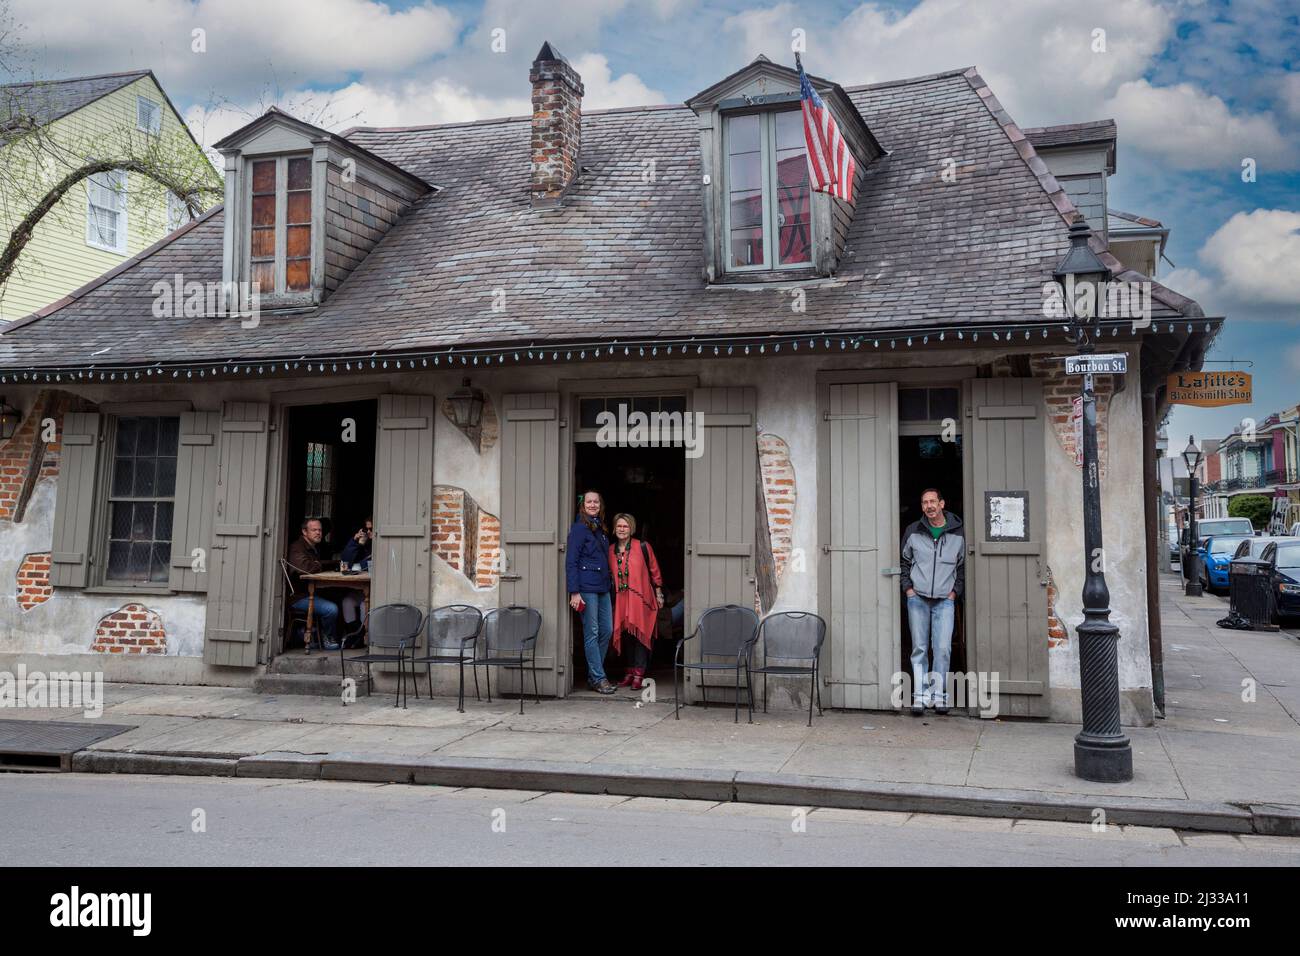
{"x": 586, "y": 562}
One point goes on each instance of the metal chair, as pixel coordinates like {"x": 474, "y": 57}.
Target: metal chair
{"x": 451, "y": 634}
{"x": 726, "y": 632}
{"x": 509, "y": 639}
{"x": 794, "y": 637}
{"x": 395, "y": 627}
{"x": 295, "y": 615}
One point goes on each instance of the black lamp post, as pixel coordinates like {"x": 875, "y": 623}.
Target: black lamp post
{"x": 1101, "y": 749}
{"x": 1192, "y": 459}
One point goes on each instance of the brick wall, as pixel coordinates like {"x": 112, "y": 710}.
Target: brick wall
{"x": 132, "y": 629}
{"x": 34, "y": 580}
{"x": 777, "y": 473}
{"x": 556, "y": 127}
{"x": 465, "y": 536}
{"x": 357, "y": 214}
{"x": 1056, "y": 632}
{"x": 26, "y": 459}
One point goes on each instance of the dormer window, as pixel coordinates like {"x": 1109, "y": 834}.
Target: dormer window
{"x": 279, "y": 249}
{"x": 769, "y": 197}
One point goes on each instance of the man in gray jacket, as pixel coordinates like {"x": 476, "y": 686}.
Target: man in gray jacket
{"x": 934, "y": 576}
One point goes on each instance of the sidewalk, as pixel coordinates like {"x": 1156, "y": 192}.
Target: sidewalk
{"x": 1215, "y": 763}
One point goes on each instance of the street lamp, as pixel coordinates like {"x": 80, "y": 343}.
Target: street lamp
{"x": 1192, "y": 456}
{"x": 1102, "y": 751}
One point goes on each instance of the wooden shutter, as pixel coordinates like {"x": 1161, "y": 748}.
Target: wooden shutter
{"x": 74, "y": 507}
{"x": 859, "y": 536}
{"x": 722, "y": 512}
{"x": 196, "y": 490}
{"x": 403, "y": 501}
{"x": 235, "y": 567}
{"x": 1006, "y": 581}
{"x": 530, "y": 522}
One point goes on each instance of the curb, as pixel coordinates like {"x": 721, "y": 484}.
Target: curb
{"x": 717, "y": 785}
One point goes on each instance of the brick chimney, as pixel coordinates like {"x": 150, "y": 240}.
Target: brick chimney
{"x": 557, "y": 123}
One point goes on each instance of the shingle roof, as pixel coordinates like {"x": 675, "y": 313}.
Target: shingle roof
{"x": 46, "y": 100}
{"x": 622, "y": 257}
{"x": 1069, "y": 134}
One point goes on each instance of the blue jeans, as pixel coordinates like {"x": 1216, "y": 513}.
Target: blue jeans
{"x": 324, "y": 611}
{"x": 930, "y": 620}
{"x": 597, "y": 629}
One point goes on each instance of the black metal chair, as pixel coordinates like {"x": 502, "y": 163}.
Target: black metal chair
{"x": 509, "y": 639}
{"x": 451, "y": 633}
{"x": 794, "y": 638}
{"x": 724, "y": 632}
{"x": 394, "y": 630}
{"x": 296, "y": 616}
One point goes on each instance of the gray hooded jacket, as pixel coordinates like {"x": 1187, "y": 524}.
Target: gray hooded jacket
{"x": 934, "y": 567}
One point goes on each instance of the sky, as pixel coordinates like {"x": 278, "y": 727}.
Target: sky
{"x": 1206, "y": 96}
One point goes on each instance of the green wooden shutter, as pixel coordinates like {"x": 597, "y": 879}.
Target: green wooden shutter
{"x": 530, "y": 523}
{"x": 196, "y": 490}
{"x": 859, "y": 534}
{"x": 722, "y": 513}
{"x": 74, "y": 507}
{"x": 1006, "y": 581}
{"x": 235, "y": 565}
{"x": 403, "y": 501}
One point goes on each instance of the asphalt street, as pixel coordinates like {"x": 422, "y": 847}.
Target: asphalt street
{"x": 93, "y": 820}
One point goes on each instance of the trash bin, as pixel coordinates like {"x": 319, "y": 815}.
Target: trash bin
{"x": 1250, "y": 593}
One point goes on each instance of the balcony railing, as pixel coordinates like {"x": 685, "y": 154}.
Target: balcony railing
{"x": 1268, "y": 479}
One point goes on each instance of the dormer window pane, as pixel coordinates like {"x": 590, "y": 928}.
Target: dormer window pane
{"x": 794, "y": 195}
{"x": 262, "y": 235}
{"x": 297, "y": 275}
{"x": 280, "y": 226}
{"x": 768, "y": 191}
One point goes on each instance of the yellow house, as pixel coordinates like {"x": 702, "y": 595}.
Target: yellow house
{"x": 47, "y": 129}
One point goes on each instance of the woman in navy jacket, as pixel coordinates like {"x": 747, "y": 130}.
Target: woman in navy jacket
{"x": 590, "y": 583}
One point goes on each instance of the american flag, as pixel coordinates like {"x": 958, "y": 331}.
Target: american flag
{"x": 830, "y": 161}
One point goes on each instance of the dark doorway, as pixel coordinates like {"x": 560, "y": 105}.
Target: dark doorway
{"x": 928, "y": 461}
{"x": 650, "y": 485}
{"x": 330, "y": 473}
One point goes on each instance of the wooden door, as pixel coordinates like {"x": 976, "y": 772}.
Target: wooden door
{"x": 400, "y": 563}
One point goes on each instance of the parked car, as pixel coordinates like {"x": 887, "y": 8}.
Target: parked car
{"x": 1208, "y": 529}
{"x": 1254, "y": 547}
{"x": 1283, "y": 557}
{"x": 1173, "y": 543}
{"x": 1215, "y": 558}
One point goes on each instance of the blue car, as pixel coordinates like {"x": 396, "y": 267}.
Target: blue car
{"x": 1284, "y": 559}
{"x": 1215, "y": 558}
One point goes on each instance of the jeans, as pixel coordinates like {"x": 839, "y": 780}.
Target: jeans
{"x": 597, "y": 630}
{"x": 325, "y": 612}
{"x": 930, "y": 620}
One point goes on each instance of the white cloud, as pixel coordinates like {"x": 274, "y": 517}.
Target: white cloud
{"x": 1191, "y": 129}
{"x": 605, "y": 91}
{"x": 1195, "y": 285}
{"x": 1256, "y": 253}
{"x": 297, "y": 41}
{"x": 1289, "y": 88}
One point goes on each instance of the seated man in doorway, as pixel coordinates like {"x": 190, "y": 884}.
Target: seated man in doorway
{"x": 934, "y": 576}
{"x": 305, "y": 558}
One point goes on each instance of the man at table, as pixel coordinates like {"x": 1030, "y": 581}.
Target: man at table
{"x": 305, "y": 558}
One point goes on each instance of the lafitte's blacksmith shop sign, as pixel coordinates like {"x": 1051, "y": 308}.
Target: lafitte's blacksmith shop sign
{"x": 1209, "y": 389}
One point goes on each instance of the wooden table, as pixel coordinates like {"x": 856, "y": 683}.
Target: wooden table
{"x": 358, "y": 581}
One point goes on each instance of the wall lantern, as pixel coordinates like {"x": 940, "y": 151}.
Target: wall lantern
{"x": 466, "y": 407}
{"x": 9, "y": 419}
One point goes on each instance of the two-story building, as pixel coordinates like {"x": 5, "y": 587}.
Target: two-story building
{"x": 448, "y": 311}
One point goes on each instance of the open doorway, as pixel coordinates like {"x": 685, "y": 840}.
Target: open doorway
{"x": 649, "y": 484}
{"x": 330, "y": 475}
{"x": 930, "y": 456}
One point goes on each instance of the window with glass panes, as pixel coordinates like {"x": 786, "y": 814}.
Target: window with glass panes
{"x": 319, "y": 485}
{"x": 141, "y": 497}
{"x": 769, "y": 197}
{"x": 279, "y": 250}
{"x": 590, "y": 409}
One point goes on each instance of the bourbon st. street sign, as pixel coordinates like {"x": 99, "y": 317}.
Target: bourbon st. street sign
{"x": 1115, "y": 364}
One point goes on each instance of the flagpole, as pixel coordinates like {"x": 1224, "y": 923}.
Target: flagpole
{"x": 798, "y": 63}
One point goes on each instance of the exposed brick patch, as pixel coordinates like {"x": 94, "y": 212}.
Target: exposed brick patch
{"x": 26, "y": 458}
{"x": 776, "y": 504}
{"x": 465, "y": 536}
{"x": 1056, "y": 632}
{"x": 131, "y": 629}
{"x": 34, "y": 580}
{"x": 1059, "y": 392}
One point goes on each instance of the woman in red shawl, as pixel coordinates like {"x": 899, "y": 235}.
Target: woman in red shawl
{"x": 638, "y": 595}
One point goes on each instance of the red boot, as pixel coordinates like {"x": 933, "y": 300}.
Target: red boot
{"x": 628, "y": 677}
{"x": 638, "y": 674}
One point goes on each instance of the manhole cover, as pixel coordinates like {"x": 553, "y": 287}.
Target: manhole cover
{"x": 49, "y": 744}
